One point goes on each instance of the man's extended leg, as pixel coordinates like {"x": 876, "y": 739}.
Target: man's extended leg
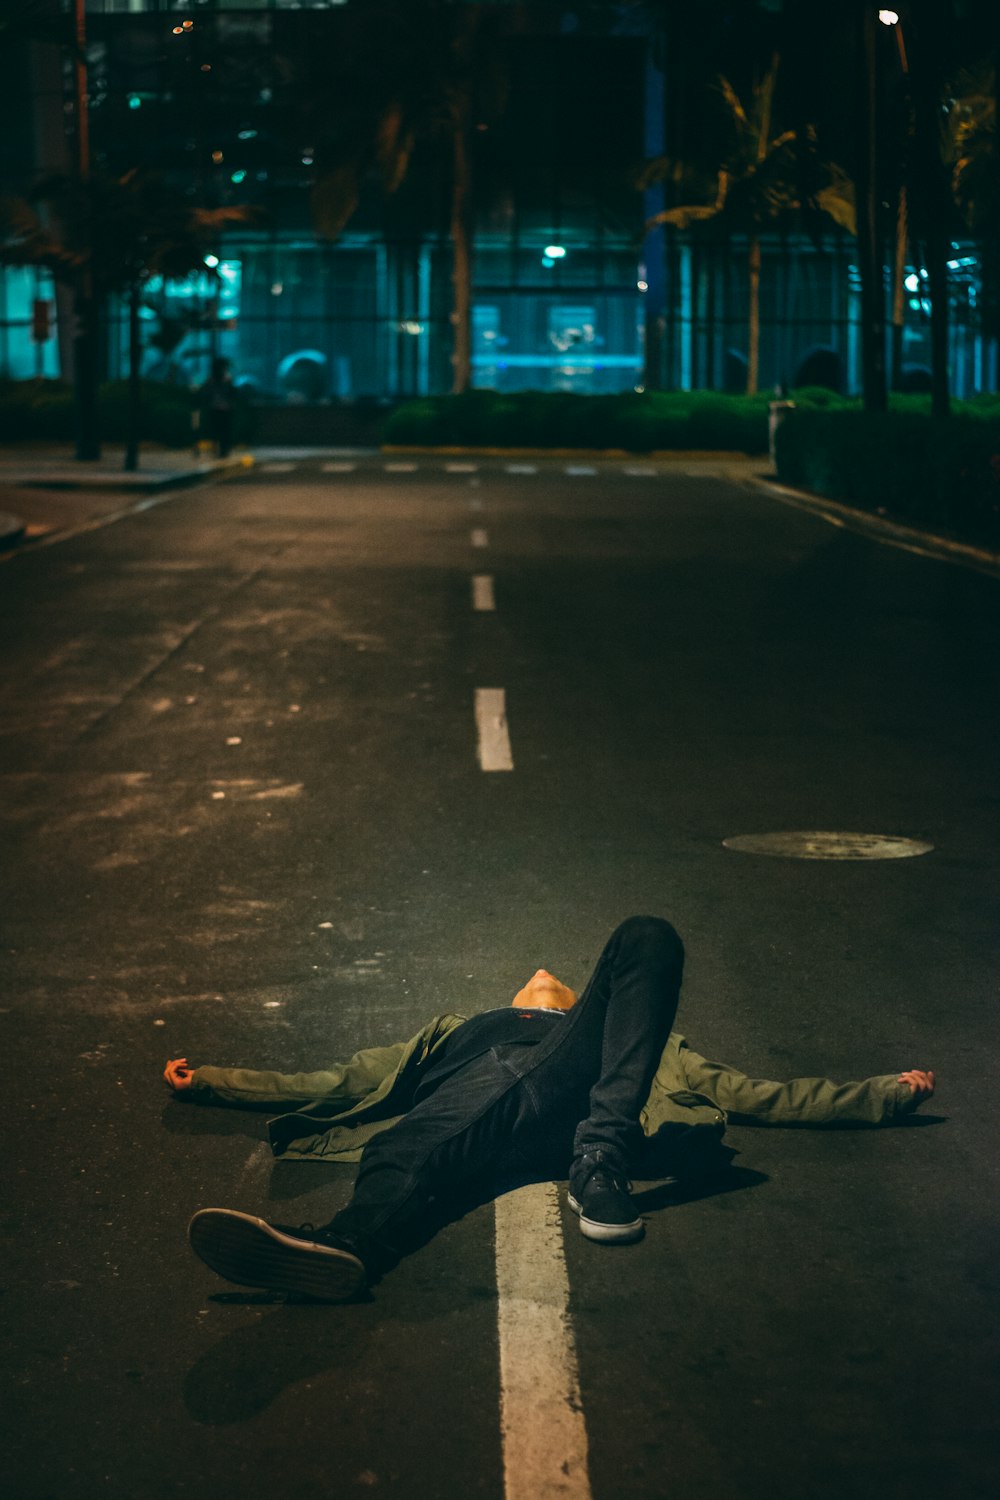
{"x": 462, "y": 1133}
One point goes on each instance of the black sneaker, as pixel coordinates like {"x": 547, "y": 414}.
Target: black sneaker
{"x": 599, "y": 1193}
{"x": 252, "y": 1252}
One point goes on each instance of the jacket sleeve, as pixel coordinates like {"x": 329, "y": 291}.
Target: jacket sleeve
{"x": 344, "y": 1083}
{"x": 800, "y": 1101}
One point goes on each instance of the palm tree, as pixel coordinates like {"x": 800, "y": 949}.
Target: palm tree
{"x": 970, "y": 150}
{"x": 116, "y": 232}
{"x": 432, "y": 72}
{"x": 764, "y": 180}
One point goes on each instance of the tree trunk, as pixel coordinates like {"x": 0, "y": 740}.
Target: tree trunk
{"x": 899, "y": 292}
{"x": 870, "y": 264}
{"x": 461, "y": 248}
{"x": 134, "y": 382}
{"x": 86, "y": 372}
{"x": 753, "y": 327}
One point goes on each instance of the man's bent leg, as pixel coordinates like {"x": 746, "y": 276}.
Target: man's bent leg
{"x": 604, "y": 1059}
{"x": 603, "y": 1064}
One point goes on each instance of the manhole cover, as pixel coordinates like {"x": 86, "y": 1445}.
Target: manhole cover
{"x": 828, "y": 845}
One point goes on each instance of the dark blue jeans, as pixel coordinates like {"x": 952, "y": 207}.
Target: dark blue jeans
{"x": 528, "y": 1110}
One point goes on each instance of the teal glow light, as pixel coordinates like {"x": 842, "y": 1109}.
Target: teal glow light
{"x": 556, "y": 252}
{"x": 237, "y": 176}
{"x": 134, "y": 101}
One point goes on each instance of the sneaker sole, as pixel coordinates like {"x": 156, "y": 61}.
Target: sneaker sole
{"x": 252, "y": 1252}
{"x": 608, "y": 1234}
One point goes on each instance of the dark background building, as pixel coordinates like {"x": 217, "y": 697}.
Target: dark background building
{"x": 263, "y": 104}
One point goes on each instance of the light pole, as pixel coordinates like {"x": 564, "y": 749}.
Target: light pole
{"x": 85, "y": 349}
{"x": 891, "y": 18}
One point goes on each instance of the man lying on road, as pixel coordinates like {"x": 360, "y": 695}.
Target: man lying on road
{"x": 594, "y": 1087}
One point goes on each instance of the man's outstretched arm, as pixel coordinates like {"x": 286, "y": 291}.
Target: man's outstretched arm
{"x": 343, "y": 1084}
{"x": 807, "y": 1101}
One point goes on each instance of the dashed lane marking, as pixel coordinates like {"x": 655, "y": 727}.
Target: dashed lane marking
{"x": 640, "y": 471}
{"x": 400, "y": 468}
{"x": 482, "y": 592}
{"x": 480, "y": 538}
{"x": 578, "y": 469}
{"x": 542, "y": 1427}
{"x": 276, "y": 468}
{"x": 493, "y": 736}
{"x": 461, "y": 468}
{"x": 475, "y": 502}
{"x": 521, "y": 468}
{"x": 339, "y": 468}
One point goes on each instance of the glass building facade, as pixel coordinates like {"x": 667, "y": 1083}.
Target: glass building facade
{"x": 230, "y": 102}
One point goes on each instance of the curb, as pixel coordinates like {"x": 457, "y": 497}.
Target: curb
{"x": 894, "y": 533}
{"x": 118, "y": 479}
{"x": 12, "y": 530}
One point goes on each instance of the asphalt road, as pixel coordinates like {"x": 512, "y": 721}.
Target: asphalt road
{"x": 243, "y": 820}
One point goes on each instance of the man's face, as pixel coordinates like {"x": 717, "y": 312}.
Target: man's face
{"x": 544, "y": 991}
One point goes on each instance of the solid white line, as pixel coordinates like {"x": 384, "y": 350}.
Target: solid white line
{"x": 277, "y": 468}
{"x": 521, "y": 468}
{"x": 480, "y": 538}
{"x": 491, "y": 723}
{"x": 482, "y": 592}
{"x": 580, "y": 469}
{"x": 400, "y": 468}
{"x": 461, "y": 468}
{"x": 541, "y": 1418}
{"x": 339, "y": 468}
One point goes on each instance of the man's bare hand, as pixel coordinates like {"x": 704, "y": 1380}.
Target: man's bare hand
{"x": 177, "y": 1074}
{"x": 921, "y": 1083}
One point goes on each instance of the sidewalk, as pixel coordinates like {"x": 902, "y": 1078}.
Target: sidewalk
{"x": 45, "y": 488}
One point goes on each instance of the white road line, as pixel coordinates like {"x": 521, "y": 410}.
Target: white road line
{"x": 277, "y": 468}
{"x": 482, "y": 592}
{"x": 475, "y": 502}
{"x": 541, "y": 1417}
{"x": 641, "y": 471}
{"x": 339, "y": 468}
{"x": 400, "y": 468}
{"x": 491, "y": 724}
{"x": 521, "y": 468}
{"x": 580, "y": 469}
{"x": 461, "y": 468}
{"x": 480, "y": 538}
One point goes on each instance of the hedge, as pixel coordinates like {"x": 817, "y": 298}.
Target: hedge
{"x": 940, "y": 474}
{"x": 636, "y": 421}
{"x": 43, "y": 411}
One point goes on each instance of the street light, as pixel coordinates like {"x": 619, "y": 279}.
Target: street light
{"x": 888, "y": 17}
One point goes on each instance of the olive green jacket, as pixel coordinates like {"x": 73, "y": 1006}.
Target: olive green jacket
{"x": 336, "y": 1112}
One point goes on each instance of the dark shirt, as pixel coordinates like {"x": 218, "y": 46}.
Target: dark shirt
{"x": 491, "y": 1028}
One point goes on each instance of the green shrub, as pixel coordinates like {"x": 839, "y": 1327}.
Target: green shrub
{"x": 939, "y": 474}
{"x": 43, "y": 411}
{"x": 634, "y": 420}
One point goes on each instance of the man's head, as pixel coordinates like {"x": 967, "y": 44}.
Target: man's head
{"x": 544, "y": 991}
